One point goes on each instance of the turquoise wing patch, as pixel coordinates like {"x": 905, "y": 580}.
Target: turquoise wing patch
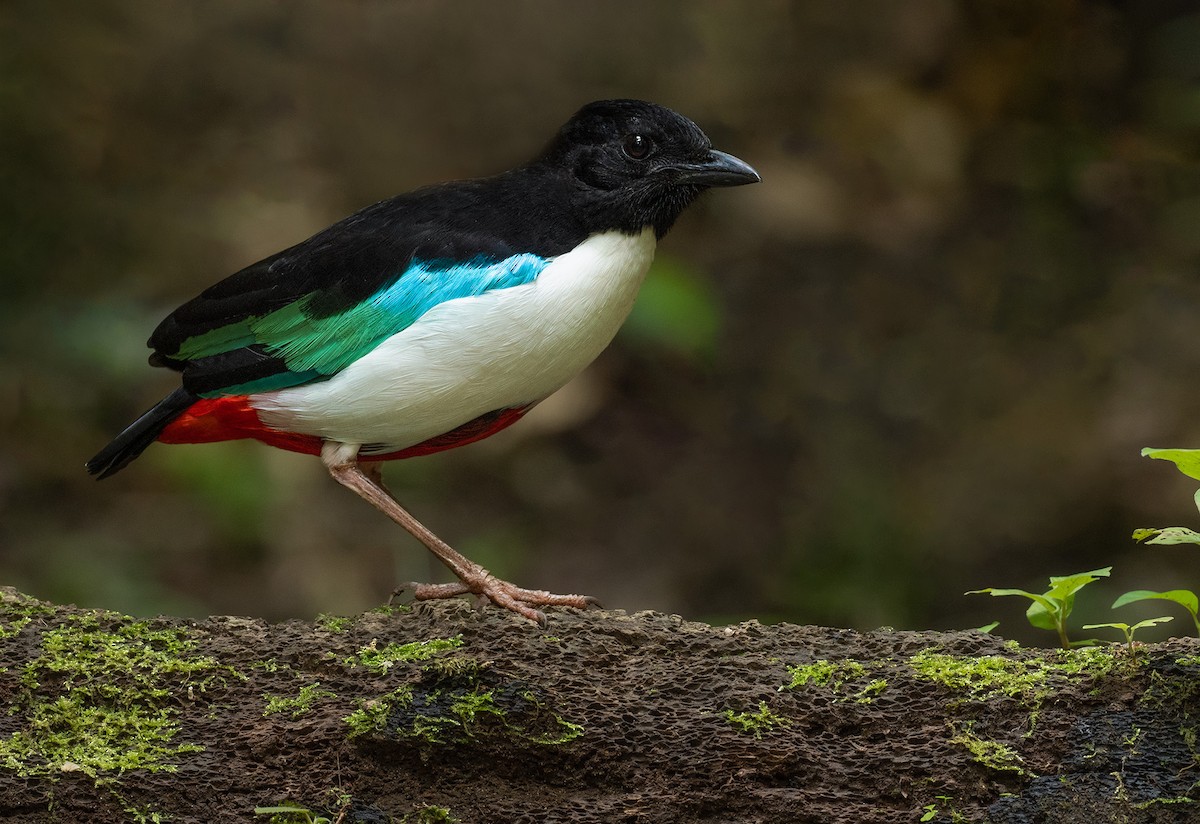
{"x": 315, "y": 348}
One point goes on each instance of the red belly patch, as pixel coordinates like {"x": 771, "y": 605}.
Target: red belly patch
{"x": 232, "y": 418}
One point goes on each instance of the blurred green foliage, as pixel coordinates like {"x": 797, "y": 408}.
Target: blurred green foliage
{"x": 920, "y": 357}
{"x": 675, "y": 310}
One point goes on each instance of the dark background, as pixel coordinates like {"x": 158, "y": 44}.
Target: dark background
{"x": 921, "y": 357}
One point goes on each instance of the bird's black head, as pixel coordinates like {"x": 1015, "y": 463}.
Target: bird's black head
{"x": 634, "y": 164}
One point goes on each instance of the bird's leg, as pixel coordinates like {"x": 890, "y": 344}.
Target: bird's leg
{"x": 367, "y": 481}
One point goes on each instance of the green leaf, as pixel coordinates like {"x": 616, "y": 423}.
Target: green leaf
{"x": 988, "y": 627}
{"x": 1062, "y": 594}
{"x": 1149, "y": 622}
{"x": 1047, "y": 617}
{"x": 1184, "y": 597}
{"x": 1142, "y": 534}
{"x": 1050, "y": 609}
{"x": 1186, "y": 461}
{"x": 1129, "y": 630}
{"x": 1041, "y": 612}
{"x": 1065, "y": 586}
{"x": 1037, "y": 599}
{"x": 997, "y": 592}
{"x": 1132, "y": 596}
{"x": 1173, "y": 535}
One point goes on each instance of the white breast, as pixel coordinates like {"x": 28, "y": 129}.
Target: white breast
{"x": 466, "y": 357}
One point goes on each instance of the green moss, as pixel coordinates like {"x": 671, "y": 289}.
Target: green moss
{"x": 763, "y": 721}
{"x": 872, "y": 690}
{"x": 145, "y": 815}
{"x": 372, "y": 715}
{"x": 991, "y": 754}
{"x": 13, "y": 603}
{"x": 567, "y": 731}
{"x": 931, "y": 811}
{"x": 990, "y": 676}
{"x": 338, "y": 803}
{"x": 836, "y": 677}
{"x": 18, "y": 611}
{"x": 381, "y": 659}
{"x": 1180, "y": 693}
{"x": 430, "y": 814}
{"x": 983, "y": 678}
{"x": 1029, "y": 682}
{"x": 391, "y": 609}
{"x": 470, "y": 704}
{"x": 103, "y": 701}
{"x": 10, "y": 627}
{"x": 299, "y": 704}
{"x": 334, "y": 623}
{"x": 291, "y": 814}
{"x": 460, "y": 669}
{"x": 1182, "y": 799}
{"x": 451, "y": 715}
{"x": 459, "y": 719}
{"x": 1188, "y": 734}
{"x": 822, "y": 673}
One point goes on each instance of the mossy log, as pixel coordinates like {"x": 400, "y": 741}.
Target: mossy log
{"x": 441, "y": 712}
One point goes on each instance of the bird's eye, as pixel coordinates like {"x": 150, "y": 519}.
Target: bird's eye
{"x": 637, "y": 146}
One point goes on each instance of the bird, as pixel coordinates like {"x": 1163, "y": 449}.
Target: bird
{"x": 435, "y": 318}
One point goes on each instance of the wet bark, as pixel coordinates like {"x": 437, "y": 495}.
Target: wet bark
{"x": 440, "y": 712}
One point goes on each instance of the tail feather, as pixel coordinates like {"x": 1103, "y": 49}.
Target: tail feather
{"x": 139, "y": 434}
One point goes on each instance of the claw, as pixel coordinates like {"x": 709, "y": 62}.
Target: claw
{"x": 398, "y": 591}
{"x": 486, "y": 587}
{"x": 341, "y": 459}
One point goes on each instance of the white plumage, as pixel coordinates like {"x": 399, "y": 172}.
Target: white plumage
{"x": 466, "y": 357}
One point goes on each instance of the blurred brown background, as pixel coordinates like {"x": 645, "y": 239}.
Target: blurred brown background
{"x": 920, "y": 357}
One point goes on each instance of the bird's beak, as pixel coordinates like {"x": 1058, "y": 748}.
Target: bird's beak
{"x": 720, "y": 169}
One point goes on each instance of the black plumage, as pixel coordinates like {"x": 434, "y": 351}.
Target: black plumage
{"x": 139, "y": 434}
{"x": 584, "y": 182}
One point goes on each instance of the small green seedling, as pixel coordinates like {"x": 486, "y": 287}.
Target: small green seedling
{"x": 1184, "y": 597}
{"x": 288, "y": 814}
{"x": 1186, "y": 461}
{"x": 931, "y": 811}
{"x": 1051, "y": 609}
{"x": 1168, "y": 535}
{"x": 1130, "y": 630}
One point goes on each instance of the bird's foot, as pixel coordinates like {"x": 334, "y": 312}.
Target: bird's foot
{"x": 487, "y": 587}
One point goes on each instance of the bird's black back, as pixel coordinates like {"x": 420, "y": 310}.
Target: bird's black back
{"x": 579, "y": 185}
